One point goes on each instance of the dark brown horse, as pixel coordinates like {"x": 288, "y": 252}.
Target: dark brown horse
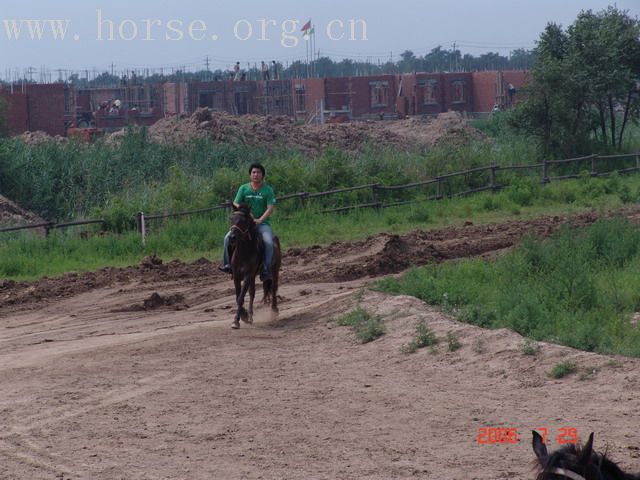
{"x": 575, "y": 463}
{"x": 246, "y": 261}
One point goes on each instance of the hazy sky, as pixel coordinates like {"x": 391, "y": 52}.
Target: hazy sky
{"x": 161, "y": 33}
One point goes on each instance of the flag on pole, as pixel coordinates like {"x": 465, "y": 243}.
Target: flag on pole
{"x": 306, "y": 27}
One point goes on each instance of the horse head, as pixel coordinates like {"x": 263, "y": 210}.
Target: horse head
{"x": 575, "y": 463}
{"x": 243, "y": 226}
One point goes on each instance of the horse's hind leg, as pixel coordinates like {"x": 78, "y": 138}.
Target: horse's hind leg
{"x": 274, "y": 292}
{"x": 266, "y": 292}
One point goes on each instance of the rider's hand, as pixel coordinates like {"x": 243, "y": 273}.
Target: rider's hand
{"x": 258, "y": 221}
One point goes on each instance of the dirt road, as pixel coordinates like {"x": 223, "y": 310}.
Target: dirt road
{"x": 135, "y": 374}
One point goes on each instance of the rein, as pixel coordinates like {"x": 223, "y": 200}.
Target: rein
{"x": 244, "y": 232}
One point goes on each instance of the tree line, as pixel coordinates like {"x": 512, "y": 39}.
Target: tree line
{"x": 585, "y": 87}
{"x": 438, "y": 59}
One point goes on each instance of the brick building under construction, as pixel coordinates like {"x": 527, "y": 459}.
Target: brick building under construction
{"x": 54, "y": 108}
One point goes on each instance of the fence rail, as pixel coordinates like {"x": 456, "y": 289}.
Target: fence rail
{"x": 377, "y": 188}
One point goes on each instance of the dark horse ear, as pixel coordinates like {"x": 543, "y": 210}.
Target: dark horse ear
{"x": 539, "y": 447}
{"x": 585, "y": 453}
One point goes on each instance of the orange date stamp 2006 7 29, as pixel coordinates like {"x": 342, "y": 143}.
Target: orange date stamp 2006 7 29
{"x": 498, "y": 435}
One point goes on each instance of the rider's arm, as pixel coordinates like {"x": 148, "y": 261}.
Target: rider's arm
{"x": 267, "y": 213}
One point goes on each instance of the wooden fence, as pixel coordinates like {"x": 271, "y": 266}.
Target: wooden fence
{"x": 377, "y": 190}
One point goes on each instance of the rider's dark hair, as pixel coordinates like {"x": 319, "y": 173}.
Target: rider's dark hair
{"x": 259, "y": 167}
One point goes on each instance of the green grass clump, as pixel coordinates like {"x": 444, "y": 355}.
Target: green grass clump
{"x": 562, "y": 369}
{"x": 529, "y": 347}
{"x": 365, "y": 326}
{"x": 423, "y": 337}
{"x": 453, "y": 342}
{"x": 578, "y": 288}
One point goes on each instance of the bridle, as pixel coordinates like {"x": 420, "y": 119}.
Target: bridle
{"x": 573, "y": 475}
{"x": 567, "y": 473}
{"x": 244, "y": 232}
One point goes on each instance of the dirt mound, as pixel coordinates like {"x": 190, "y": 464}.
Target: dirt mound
{"x": 155, "y": 301}
{"x": 278, "y": 131}
{"x": 450, "y": 127}
{"x": 37, "y": 137}
{"x": 12, "y": 214}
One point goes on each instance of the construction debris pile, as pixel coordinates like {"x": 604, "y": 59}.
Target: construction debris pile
{"x": 279, "y": 131}
{"x": 13, "y": 215}
{"x": 271, "y": 132}
{"x": 37, "y": 137}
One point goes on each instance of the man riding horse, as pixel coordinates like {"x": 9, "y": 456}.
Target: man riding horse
{"x": 261, "y": 200}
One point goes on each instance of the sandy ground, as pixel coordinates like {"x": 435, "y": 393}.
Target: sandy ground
{"x": 98, "y": 384}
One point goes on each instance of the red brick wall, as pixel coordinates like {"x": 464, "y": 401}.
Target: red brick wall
{"x": 448, "y": 80}
{"x": 485, "y": 87}
{"x": 519, "y": 79}
{"x": 484, "y": 91}
{"x": 336, "y": 93}
{"x": 17, "y": 111}
{"x": 46, "y": 108}
{"x": 361, "y": 98}
{"x": 418, "y": 94}
{"x": 315, "y": 93}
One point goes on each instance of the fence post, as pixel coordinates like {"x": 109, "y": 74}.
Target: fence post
{"x": 638, "y": 161}
{"x": 438, "y": 193}
{"x": 374, "y": 195}
{"x": 303, "y": 198}
{"x": 593, "y": 165}
{"x": 231, "y": 197}
{"x": 545, "y": 172}
{"x": 141, "y": 226}
{"x": 493, "y": 177}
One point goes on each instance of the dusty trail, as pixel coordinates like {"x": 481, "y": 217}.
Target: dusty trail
{"x": 97, "y": 385}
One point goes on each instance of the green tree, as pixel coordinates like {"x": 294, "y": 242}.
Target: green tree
{"x": 584, "y": 80}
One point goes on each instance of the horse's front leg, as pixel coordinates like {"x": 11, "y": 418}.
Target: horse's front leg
{"x": 252, "y": 296}
{"x": 242, "y": 312}
{"x": 237, "y": 282}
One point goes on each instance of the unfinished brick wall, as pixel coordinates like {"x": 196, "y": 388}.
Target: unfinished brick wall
{"x": 17, "y": 111}
{"x": 46, "y": 108}
{"x": 453, "y": 100}
{"x": 337, "y": 93}
{"x": 363, "y": 101}
{"x": 484, "y": 91}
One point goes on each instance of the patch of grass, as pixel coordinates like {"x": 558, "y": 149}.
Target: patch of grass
{"x": 423, "y": 337}
{"x": 562, "y": 369}
{"x": 577, "y": 288}
{"x": 453, "y": 342}
{"x": 587, "y": 373}
{"x": 113, "y": 182}
{"x": 529, "y": 347}
{"x": 365, "y": 326}
{"x": 613, "y": 363}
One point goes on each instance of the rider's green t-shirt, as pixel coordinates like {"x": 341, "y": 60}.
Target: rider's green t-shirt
{"x": 258, "y": 200}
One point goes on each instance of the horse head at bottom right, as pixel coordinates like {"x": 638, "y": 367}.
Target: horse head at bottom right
{"x": 576, "y": 463}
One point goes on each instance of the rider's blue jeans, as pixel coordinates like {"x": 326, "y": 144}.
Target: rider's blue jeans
{"x": 267, "y": 239}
